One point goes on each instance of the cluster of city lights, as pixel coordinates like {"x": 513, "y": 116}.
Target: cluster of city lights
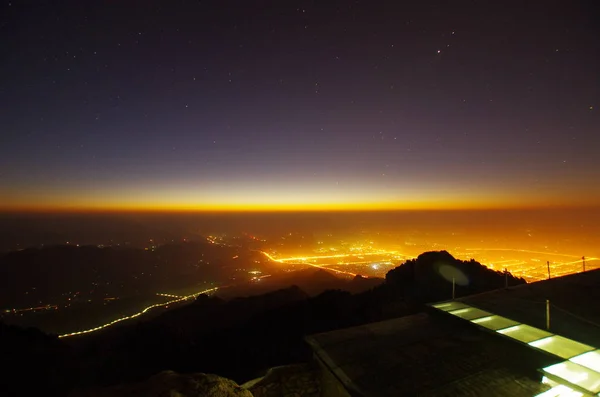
{"x": 346, "y": 256}
{"x": 518, "y": 267}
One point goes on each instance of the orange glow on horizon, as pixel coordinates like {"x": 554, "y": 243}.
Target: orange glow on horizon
{"x": 278, "y": 200}
{"x": 277, "y": 207}
{"x": 284, "y": 197}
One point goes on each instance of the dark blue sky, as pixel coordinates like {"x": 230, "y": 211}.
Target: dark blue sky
{"x": 305, "y": 104}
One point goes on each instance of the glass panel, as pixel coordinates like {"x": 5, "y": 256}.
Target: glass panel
{"x": 561, "y": 346}
{"x": 469, "y": 313}
{"x": 494, "y": 322}
{"x": 560, "y": 391}
{"x": 524, "y": 333}
{"x": 549, "y": 382}
{"x": 590, "y": 360}
{"x": 576, "y": 374}
{"x": 449, "y": 306}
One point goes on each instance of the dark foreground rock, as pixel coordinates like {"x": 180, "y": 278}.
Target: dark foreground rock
{"x": 172, "y": 384}
{"x": 286, "y": 381}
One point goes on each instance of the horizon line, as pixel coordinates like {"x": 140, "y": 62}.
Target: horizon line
{"x": 375, "y": 209}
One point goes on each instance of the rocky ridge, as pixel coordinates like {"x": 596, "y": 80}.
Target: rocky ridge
{"x": 172, "y": 384}
{"x": 284, "y": 381}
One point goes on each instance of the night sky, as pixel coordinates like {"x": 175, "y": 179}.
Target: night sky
{"x": 233, "y": 105}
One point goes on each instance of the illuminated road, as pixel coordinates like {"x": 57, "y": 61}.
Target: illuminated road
{"x": 302, "y": 259}
{"x": 170, "y": 296}
{"x": 179, "y": 299}
{"x": 305, "y": 258}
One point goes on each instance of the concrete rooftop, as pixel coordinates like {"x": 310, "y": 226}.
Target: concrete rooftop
{"x": 429, "y": 354}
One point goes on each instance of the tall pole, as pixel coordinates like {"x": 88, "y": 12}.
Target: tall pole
{"x": 548, "y": 263}
{"x": 583, "y": 262}
{"x": 505, "y": 278}
{"x": 453, "y": 287}
{"x": 547, "y": 314}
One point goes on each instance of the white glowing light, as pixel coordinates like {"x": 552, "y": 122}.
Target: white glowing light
{"x": 590, "y": 360}
{"x": 560, "y": 391}
{"x": 575, "y": 374}
{"x": 561, "y": 346}
{"x": 494, "y": 322}
{"x": 469, "y": 313}
{"x": 524, "y": 333}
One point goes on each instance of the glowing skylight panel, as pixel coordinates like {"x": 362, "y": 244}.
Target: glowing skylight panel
{"x": 561, "y": 346}
{"x": 449, "y": 306}
{"x": 590, "y": 360}
{"x": 470, "y": 313}
{"x": 560, "y": 391}
{"x": 524, "y": 333}
{"x": 576, "y": 375}
{"x": 494, "y": 322}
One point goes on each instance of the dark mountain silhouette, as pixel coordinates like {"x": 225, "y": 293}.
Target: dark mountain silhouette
{"x": 312, "y": 281}
{"x": 430, "y": 276}
{"x": 207, "y": 312}
{"x": 360, "y": 283}
{"x": 34, "y": 363}
{"x": 243, "y": 337}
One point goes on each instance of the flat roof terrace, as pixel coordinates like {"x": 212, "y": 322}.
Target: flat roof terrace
{"x": 574, "y": 305}
{"x": 512, "y": 311}
{"x": 429, "y": 354}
